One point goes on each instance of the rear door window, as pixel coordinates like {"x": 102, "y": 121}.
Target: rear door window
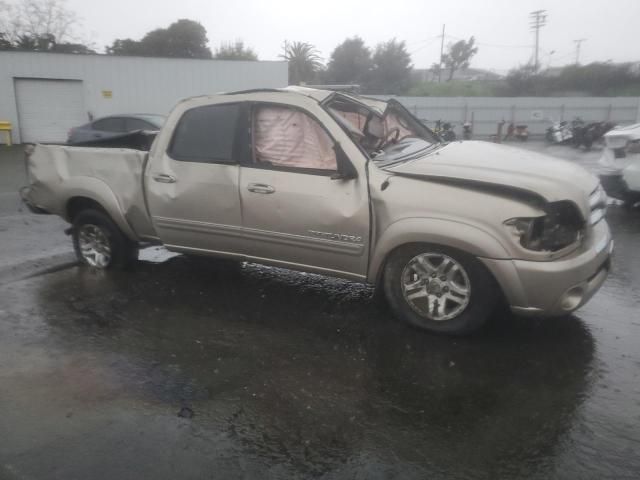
{"x": 206, "y": 134}
{"x": 137, "y": 124}
{"x": 111, "y": 124}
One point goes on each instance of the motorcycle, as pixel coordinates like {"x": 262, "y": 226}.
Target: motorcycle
{"x": 559, "y": 133}
{"x": 445, "y": 131}
{"x": 467, "y": 131}
{"x": 588, "y": 133}
{"x": 519, "y": 132}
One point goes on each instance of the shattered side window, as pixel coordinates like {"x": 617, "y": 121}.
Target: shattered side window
{"x": 287, "y": 137}
{"x": 357, "y": 120}
{"x": 392, "y": 122}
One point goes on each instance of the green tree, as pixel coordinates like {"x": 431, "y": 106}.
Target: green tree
{"x": 235, "y": 51}
{"x": 350, "y": 62}
{"x": 125, "y": 46}
{"x": 435, "y": 70}
{"x": 523, "y": 80}
{"x": 183, "y": 39}
{"x": 304, "y": 62}
{"x": 594, "y": 79}
{"x": 42, "y": 43}
{"x": 459, "y": 55}
{"x": 391, "y": 73}
{"x": 47, "y": 43}
{"x": 39, "y": 25}
{"x": 5, "y": 44}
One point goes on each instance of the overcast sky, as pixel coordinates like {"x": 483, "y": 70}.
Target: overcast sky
{"x": 501, "y": 27}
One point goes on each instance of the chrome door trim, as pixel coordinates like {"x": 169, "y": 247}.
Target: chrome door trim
{"x": 303, "y": 241}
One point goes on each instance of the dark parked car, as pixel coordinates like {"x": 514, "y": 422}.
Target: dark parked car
{"x": 114, "y": 126}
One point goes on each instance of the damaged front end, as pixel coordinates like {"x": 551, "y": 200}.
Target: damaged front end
{"x": 559, "y": 229}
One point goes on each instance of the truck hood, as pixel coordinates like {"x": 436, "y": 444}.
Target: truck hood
{"x": 490, "y": 165}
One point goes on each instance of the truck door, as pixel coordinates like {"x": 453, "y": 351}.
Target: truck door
{"x": 294, "y": 213}
{"x": 192, "y": 187}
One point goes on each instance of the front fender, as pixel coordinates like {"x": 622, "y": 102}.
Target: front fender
{"x": 462, "y": 236}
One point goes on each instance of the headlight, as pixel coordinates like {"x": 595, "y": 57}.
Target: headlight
{"x": 559, "y": 228}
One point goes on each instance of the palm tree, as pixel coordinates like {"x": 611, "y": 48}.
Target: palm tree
{"x": 304, "y": 61}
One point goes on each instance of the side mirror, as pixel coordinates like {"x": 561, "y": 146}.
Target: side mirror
{"x": 346, "y": 170}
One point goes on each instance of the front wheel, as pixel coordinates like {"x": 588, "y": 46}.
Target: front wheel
{"x": 439, "y": 289}
{"x": 99, "y": 243}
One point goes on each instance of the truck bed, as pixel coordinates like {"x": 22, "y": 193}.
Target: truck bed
{"x": 111, "y": 176}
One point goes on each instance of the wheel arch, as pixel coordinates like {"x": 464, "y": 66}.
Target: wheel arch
{"x": 465, "y": 238}
{"x": 95, "y": 194}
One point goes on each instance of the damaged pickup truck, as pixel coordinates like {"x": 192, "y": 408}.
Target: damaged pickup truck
{"x": 346, "y": 186}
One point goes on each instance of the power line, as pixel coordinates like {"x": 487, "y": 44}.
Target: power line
{"x": 538, "y": 20}
{"x": 491, "y": 45}
{"x": 428, "y": 43}
{"x": 427, "y": 40}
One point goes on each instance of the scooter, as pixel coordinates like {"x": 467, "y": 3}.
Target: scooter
{"x": 519, "y": 132}
{"x": 445, "y": 131}
{"x": 559, "y": 133}
{"x": 467, "y": 131}
{"x": 588, "y": 133}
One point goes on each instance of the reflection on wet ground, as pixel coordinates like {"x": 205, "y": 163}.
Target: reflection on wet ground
{"x": 282, "y": 374}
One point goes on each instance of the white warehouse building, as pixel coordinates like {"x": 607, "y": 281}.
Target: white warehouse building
{"x": 44, "y": 95}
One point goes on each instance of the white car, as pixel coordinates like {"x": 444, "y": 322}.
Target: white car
{"x": 620, "y": 164}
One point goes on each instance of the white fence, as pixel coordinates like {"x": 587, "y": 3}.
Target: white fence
{"x": 536, "y": 112}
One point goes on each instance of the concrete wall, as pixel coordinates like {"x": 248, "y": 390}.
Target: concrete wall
{"x": 536, "y": 112}
{"x": 137, "y": 84}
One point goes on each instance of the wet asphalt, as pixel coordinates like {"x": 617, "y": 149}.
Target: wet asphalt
{"x": 194, "y": 369}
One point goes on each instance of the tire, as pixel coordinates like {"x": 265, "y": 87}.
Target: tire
{"x": 465, "y": 309}
{"x": 99, "y": 243}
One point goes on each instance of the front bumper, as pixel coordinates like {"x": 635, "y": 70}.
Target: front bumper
{"x": 556, "y": 287}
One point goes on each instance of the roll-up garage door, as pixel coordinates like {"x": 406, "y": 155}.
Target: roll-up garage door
{"x": 47, "y": 109}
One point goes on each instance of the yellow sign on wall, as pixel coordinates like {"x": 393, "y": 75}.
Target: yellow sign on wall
{"x": 107, "y": 93}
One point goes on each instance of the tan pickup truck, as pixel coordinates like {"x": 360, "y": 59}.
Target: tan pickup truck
{"x": 341, "y": 185}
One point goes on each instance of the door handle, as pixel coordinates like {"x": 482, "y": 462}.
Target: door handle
{"x": 164, "y": 178}
{"x": 260, "y": 188}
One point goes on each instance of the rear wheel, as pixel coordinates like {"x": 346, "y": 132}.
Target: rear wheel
{"x": 439, "y": 289}
{"x": 99, "y": 243}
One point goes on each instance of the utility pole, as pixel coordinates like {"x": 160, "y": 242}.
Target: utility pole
{"x": 538, "y": 20}
{"x": 441, "y": 54}
{"x": 578, "y": 43}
